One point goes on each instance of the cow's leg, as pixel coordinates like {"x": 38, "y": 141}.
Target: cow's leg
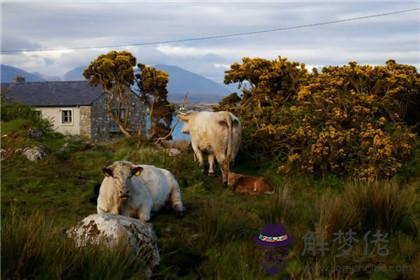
{"x": 224, "y": 167}
{"x": 225, "y": 170}
{"x": 211, "y": 164}
{"x": 199, "y": 156}
{"x": 176, "y": 202}
{"x": 144, "y": 212}
{"x": 101, "y": 210}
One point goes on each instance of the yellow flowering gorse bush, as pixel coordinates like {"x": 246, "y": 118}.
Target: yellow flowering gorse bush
{"x": 349, "y": 120}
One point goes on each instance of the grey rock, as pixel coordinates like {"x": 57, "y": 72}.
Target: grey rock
{"x": 34, "y": 154}
{"x": 172, "y": 152}
{"x": 35, "y": 133}
{"x": 110, "y": 230}
{"x": 64, "y": 148}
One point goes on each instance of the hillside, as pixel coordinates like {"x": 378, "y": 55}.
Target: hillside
{"x": 75, "y": 74}
{"x": 47, "y": 77}
{"x": 8, "y": 73}
{"x": 200, "y": 89}
{"x": 216, "y": 237}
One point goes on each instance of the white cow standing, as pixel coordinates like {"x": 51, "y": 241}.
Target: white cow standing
{"x": 135, "y": 190}
{"x": 216, "y": 133}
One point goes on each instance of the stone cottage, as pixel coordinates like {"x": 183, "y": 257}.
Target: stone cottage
{"x": 75, "y": 107}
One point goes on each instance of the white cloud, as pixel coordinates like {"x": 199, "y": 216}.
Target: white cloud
{"x": 221, "y": 65}
{"x": 79, "y": 23}
{"x": 53, "y": 54}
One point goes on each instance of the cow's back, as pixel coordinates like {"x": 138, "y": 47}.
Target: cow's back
{"x": 158, "y": 182}
{"x": 253, "y": 185}
{"x": 206, "y": 131}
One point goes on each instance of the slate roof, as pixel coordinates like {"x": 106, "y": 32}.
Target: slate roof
{"x": 52, "y": 94}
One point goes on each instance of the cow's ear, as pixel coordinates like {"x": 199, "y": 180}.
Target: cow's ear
{"x": 107, "y": 171}
{"x": 136, "y": 171}
{"x": 235, "y": 122}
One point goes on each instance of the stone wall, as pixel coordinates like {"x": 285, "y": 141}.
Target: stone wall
{"x": 85, "y": 121}
{"x": 102, "y": 124}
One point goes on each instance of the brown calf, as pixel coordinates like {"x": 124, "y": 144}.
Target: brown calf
{"x": 249, "y": 184}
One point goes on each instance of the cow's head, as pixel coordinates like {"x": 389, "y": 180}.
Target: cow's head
{"x": 186, "y": 118}
{"x": 232, "y": 179}
{"x": 121, "y": 172}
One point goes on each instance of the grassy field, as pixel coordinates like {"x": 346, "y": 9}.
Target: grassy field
{"x": 215, "y": 238}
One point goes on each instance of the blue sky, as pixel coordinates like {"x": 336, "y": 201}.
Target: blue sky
{"x": 62, "y": 25}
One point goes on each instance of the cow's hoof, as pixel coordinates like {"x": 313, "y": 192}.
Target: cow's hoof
{"x": 179, "y": 214}
{"x": 212, "y": 174}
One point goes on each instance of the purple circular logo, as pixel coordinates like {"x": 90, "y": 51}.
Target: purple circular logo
{"x": 273, "y": 244}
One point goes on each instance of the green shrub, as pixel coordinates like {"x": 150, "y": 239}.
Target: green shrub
{"x": 14, "y": 111}
{"x": 348, "y": 120}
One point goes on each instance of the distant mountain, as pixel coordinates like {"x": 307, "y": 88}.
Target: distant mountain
{"x": 199, "y": 88}
{"x": 47, "y": 77}
{"x": 181, "y": 81}
{"x": 75, "y": 75}
{"x": 8, "y": 73}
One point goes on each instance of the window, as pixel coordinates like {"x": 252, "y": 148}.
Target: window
{"x": 122, "y": 113}
{"x": 114, "y": 127}
{"x": 66, "y": 116}
{"x": 38, "y": 114}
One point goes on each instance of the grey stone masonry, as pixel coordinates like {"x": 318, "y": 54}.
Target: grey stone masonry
{"x": 102, "y": 126}
{"x": 85, "y": 121}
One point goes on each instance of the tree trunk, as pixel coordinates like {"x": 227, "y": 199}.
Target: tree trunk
{"x": 151, "y": 127}
{"x": 124, "y": 131}
{"x": 116, "y": 119}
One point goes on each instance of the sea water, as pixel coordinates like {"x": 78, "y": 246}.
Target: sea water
{"x": 177, "y": 133}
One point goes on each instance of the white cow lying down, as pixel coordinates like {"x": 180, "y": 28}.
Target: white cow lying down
{"x": 135, "y": 190}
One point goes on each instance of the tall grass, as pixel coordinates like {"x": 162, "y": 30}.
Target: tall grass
{"x": 220, "y": 224}
{"x": 381, "y": 205}
{"x": 32, "y": 248}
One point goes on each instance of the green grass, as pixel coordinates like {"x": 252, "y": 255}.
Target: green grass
{"x": 215, "y": 238}
{"x": 34, "y": 248}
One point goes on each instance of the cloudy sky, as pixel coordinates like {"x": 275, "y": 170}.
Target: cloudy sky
{"x": 62, "y": 26}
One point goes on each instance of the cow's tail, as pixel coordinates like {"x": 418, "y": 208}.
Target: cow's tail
{"x": 229, "y": 123}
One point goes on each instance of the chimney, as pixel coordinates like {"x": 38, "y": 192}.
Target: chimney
{"x": 18, "y": 79}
